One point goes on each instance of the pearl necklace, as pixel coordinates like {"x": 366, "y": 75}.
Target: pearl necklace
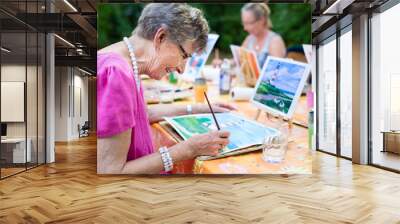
{"x": 134, "y": 63}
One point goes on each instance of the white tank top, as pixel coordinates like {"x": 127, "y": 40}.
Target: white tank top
{"x": 264, "y": 52}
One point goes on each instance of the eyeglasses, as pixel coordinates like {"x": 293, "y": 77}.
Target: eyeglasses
{"x": 184, "y": 53}
{"x": 249, "y": 23}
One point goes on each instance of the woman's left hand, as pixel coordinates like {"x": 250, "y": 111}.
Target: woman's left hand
{"x": 217, "y": 108}
{"x": 222, "y": 107}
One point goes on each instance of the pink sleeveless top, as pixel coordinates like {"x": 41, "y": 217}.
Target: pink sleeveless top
{"x": 120, "y": 106}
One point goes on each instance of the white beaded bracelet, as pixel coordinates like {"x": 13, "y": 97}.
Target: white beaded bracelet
{"x": 166, "y": 159}
{"x": 189, "y": 109}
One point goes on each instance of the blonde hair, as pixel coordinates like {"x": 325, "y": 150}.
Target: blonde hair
{"x": 259, "y": 10}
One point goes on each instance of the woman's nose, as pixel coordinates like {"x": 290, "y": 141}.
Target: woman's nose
{"x": 181, "y": 67}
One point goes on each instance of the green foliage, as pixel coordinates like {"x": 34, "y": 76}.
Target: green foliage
{"x": 115, "y": 21}
{"x": 224, "y": 19}
{"x": 291, "y": 21}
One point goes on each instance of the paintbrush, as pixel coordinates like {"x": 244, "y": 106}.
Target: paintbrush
{"x": 212, "y": 112}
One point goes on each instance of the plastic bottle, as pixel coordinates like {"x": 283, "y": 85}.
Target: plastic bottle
{"x": 225, "y": 78}
{"x": 172, "y": 78}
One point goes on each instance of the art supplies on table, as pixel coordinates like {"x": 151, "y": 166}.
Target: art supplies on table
{"x": 153, "y": 90}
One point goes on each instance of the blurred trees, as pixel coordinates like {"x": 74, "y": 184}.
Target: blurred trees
{"x": 291, "y": 21}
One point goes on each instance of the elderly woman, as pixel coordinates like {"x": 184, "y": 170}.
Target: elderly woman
{"x": 261, "y": 39}
{"x": 165, "y": 37}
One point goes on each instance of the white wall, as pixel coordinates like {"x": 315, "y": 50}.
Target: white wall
{"x": 70, "y": 83}
{"x": 12, "y": 100}
{"x": 61, "y": 103}
{"x": 14, "y": 73}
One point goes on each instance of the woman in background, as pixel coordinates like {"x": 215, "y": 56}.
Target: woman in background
{"x": 261, "y": 39}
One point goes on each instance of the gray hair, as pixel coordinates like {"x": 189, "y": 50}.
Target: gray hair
{"x": 183, "y": 23}
{"x": 259, "y": 10}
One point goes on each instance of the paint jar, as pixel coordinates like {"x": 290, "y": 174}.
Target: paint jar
{"x": 200, "y": 86}
{"x": 172, "y": 78}
{"x": 167, "y": 96}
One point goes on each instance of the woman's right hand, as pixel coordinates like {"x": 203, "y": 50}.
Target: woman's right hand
{"x": 207, "y": 144}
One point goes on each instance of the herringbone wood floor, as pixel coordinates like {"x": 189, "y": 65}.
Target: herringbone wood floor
{"x": 70, "y": 191}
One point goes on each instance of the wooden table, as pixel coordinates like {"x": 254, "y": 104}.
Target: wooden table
{"x": 298, "y": 159}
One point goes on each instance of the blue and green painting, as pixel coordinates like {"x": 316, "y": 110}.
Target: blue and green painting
{"x": 279, "y": 84}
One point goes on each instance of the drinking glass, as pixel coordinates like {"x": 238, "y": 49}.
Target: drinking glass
{"x": 274, "y": 148}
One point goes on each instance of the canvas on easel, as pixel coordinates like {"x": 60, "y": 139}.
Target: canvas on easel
{"x": 246, "y": 61}
{"x": 279, "y": 86}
